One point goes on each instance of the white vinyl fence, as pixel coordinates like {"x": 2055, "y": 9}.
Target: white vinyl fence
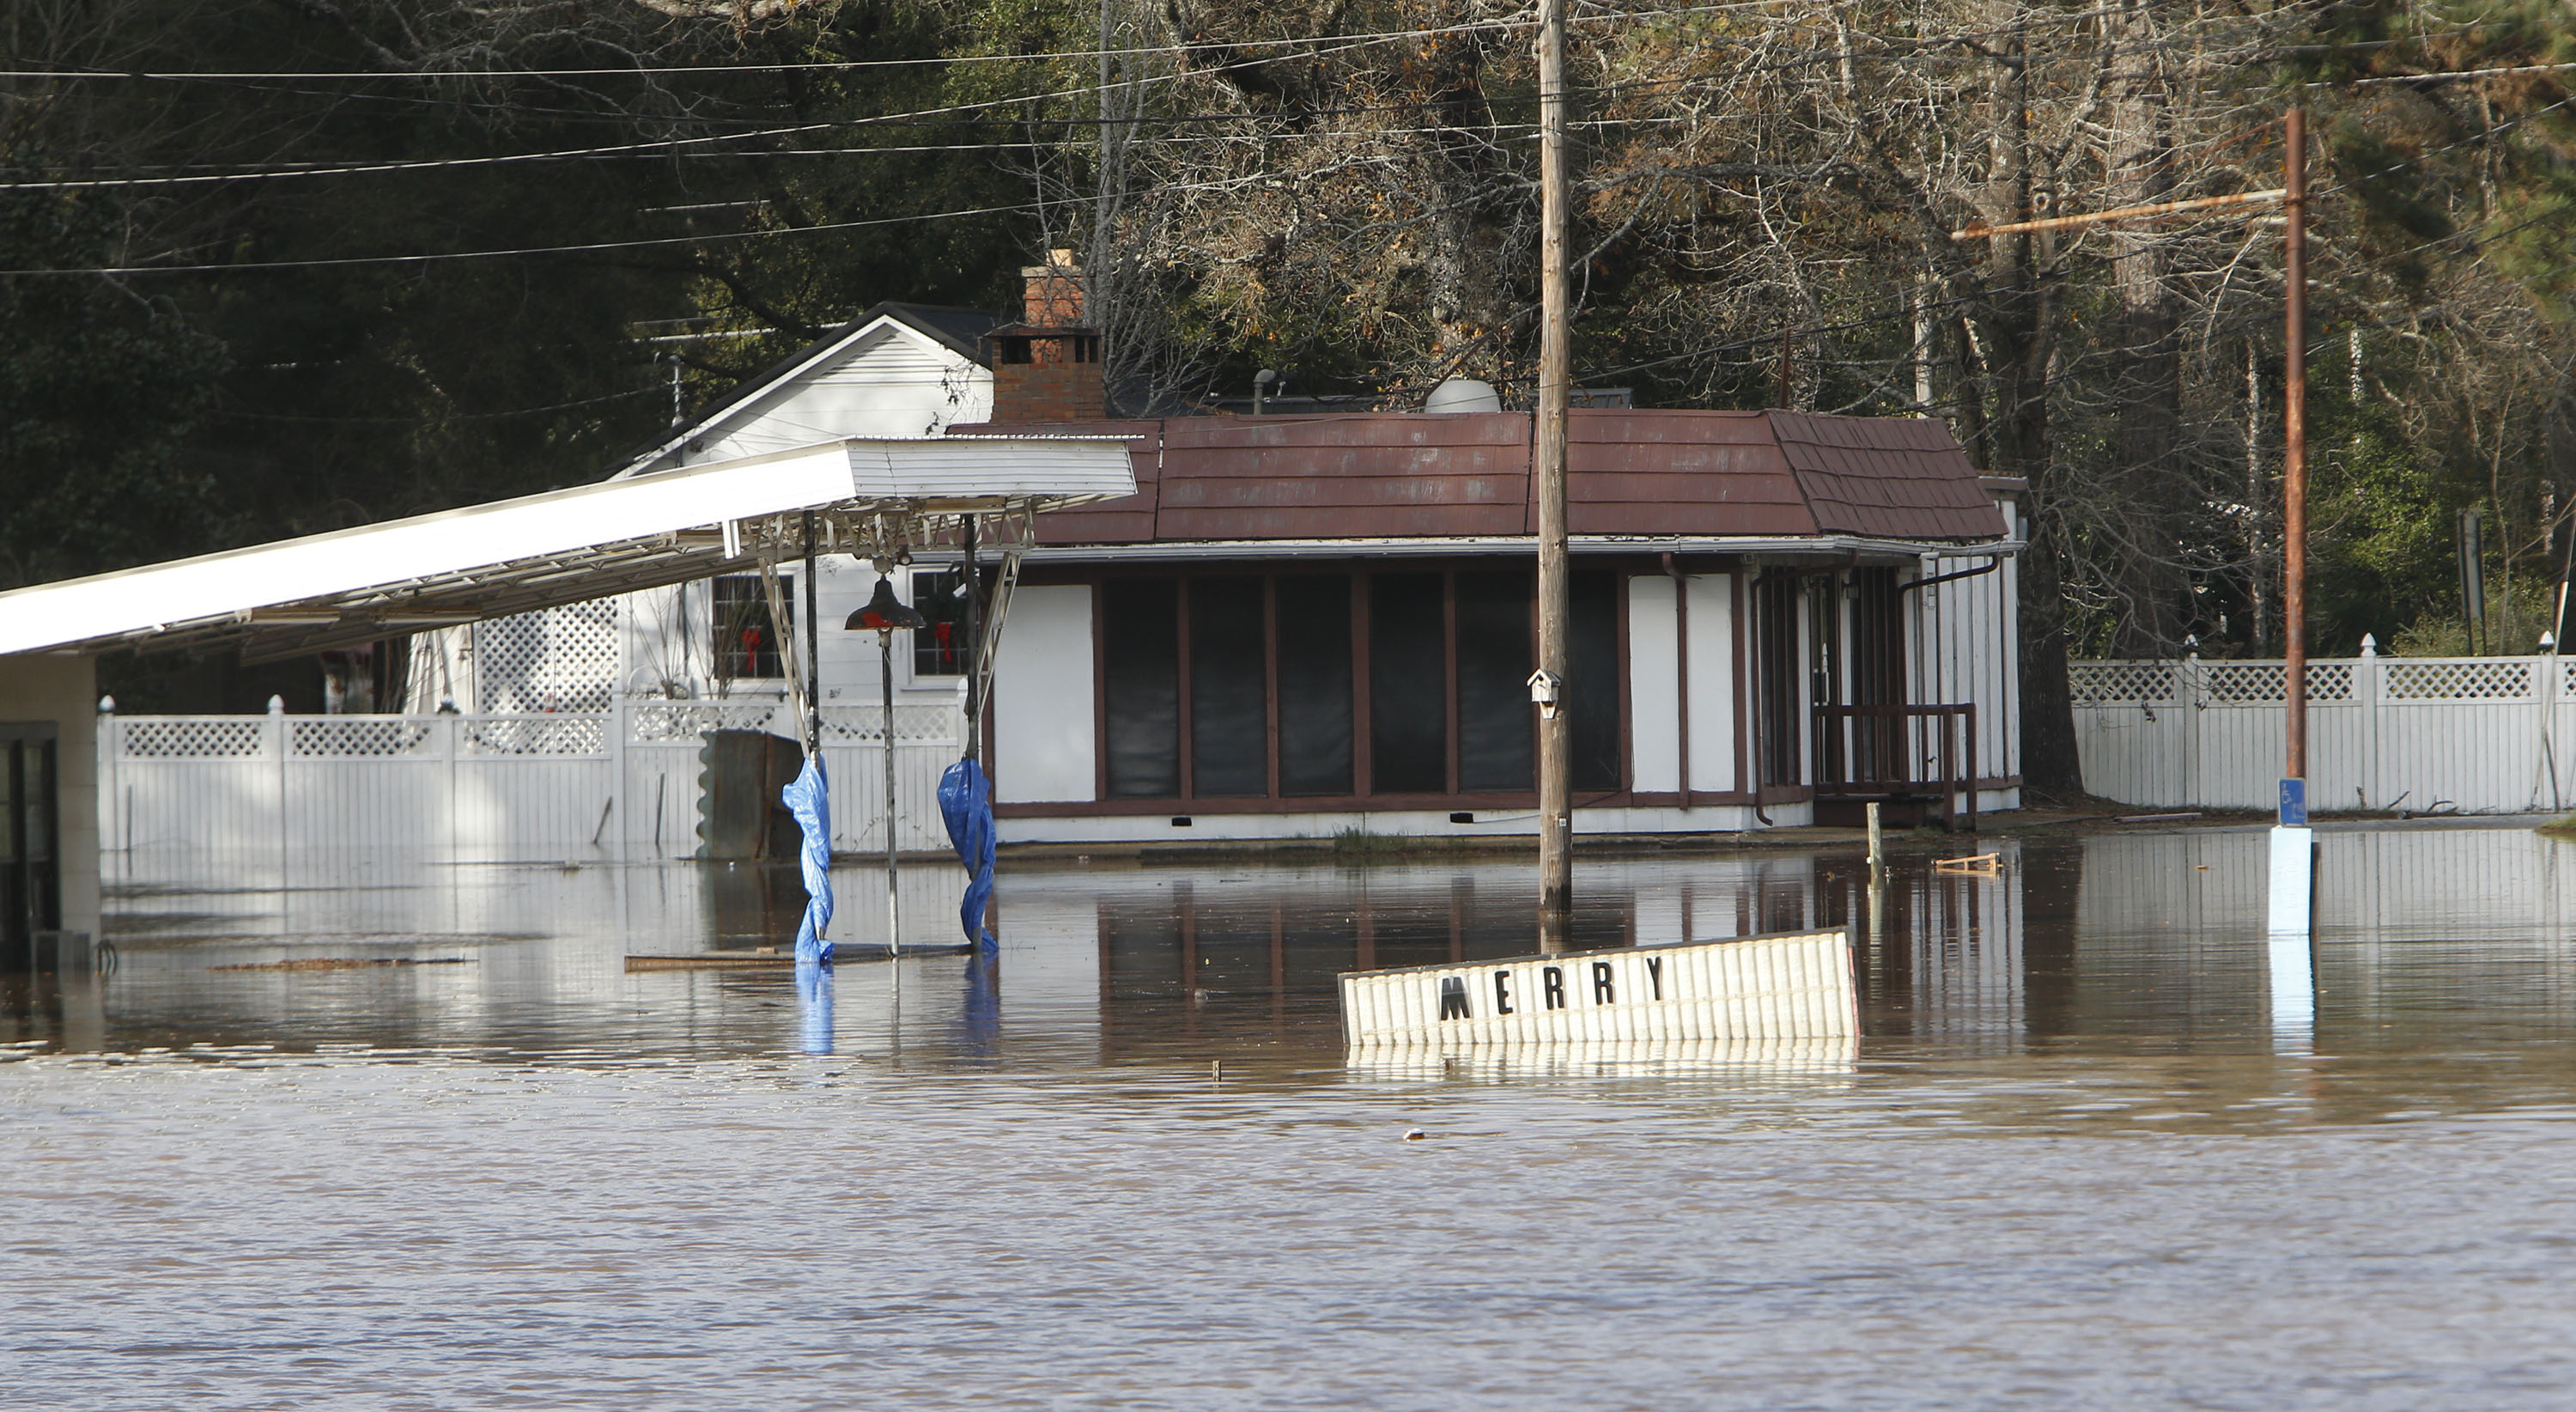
{"x": 2476, "y": 735}
{"x": 552, "y": 787}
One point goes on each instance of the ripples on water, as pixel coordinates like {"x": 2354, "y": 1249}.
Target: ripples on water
{"x": 2074, "y": 1162}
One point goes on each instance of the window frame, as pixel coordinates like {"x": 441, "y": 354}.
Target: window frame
{"x": 1363, "y": 577}
{"x": 719, "y": 655}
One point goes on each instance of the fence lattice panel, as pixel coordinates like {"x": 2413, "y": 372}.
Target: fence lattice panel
{"x": 2491, "y": 679}
{"x": 557, "y": 659}
{"x": 191, "y": 738}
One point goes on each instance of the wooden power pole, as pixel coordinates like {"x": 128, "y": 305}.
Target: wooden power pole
{"x": 2294, "y": 460}
{"x": 1547, "y": 456}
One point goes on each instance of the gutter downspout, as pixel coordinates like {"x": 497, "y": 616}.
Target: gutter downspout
{"x": 1991, "y": 564}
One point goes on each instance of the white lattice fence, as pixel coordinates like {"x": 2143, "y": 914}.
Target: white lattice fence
{"x": 558, "y": 659}
{"x": 534, "y": 786}
{"x": 2476, "y": 735}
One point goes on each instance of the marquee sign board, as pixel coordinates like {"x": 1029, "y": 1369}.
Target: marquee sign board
{"x": 1768, "y": 987}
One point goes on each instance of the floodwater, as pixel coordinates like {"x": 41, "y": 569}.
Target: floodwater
{"x": 2093, "y": 1149}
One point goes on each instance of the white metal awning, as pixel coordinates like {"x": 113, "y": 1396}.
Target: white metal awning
{"x": 358, "y": 585}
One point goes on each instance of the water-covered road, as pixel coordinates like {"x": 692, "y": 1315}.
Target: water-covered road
{"x": 2078, "y": 1159}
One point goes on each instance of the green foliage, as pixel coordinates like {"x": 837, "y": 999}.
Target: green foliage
{"x": 100, "y": 386}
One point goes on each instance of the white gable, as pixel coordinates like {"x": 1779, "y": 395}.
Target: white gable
{"x": 883, "y": 380}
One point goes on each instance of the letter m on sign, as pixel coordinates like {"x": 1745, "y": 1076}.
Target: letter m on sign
{"x": 1453, "y": 998}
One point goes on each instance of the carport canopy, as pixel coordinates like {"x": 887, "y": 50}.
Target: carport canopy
{"x": 566, "y": 546}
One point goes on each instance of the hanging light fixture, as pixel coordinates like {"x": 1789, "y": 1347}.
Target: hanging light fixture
{"x": 885, "y": 612}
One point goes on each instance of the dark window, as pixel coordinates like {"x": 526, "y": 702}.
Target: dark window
{"x": 1314, "y": 615}
{"x": 939, "y": 650}
{"x": 1265, "y": 696}
{"x": 1592, "y": 680}
{"x": 746, "y": 641}
{"x": 1824, "y": 673}
{"x": 1496, "y": 723}
{"x": 1877, "y": 660}
{"x": 1229, "y": 689}
{"x": 1408, "y": 684}
{"x": 1141, "y": 682}
{"x": 1776, "y": 683}
{"x": 30, "y": 861}
{"x": 1012, "y": 350}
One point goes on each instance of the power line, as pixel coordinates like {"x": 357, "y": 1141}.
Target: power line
{"x": 586, "y": 247}
{"x": 1213, "y": 48}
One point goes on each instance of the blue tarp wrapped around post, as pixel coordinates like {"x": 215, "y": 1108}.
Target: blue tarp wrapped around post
{"x": 808, "y": 797}
{"x": 814, "y": 1005}
{"x": 966, "y": 803}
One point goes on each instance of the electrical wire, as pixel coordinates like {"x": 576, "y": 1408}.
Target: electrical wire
{"x": 1212, "y": 47}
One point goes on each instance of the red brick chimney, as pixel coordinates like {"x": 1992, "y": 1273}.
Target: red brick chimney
{"x": 1047, "y": 368}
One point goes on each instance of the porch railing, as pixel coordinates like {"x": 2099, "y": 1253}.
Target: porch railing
{"x": 1899, "y": 753}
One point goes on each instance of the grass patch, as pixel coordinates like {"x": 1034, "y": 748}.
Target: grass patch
{"x": 1362, "y": 842}
{"x": 2564, "y": 826}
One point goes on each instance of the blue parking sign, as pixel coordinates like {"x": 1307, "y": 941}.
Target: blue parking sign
{"x": 2294, "y": 804}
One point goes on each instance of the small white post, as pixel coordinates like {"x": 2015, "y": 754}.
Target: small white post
{"x": 1877, "y": 846}
{"x": 277, "y": 738}
{"x": 111, "y": 788}
{"x": 2366, "y": 688}
{"x": 2291, "y": 956}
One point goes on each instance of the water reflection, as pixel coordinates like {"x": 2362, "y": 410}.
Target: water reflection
{"x": 2427, "y": 941}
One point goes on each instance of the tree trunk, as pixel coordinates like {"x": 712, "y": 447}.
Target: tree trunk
{"x": 2146, "y": 356}
{"x": 2015, "y": 324}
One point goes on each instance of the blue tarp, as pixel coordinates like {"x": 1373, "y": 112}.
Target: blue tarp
{"x": 814, "y": 1005}
{"x": 809, "y": 798}
{"x": 966, "y": 802}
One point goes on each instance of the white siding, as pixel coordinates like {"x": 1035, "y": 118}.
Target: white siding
{"x": 1654, "y": 687}
{"x": 891, "y": 383}
{"x": 1713, "y": 749}
{"x": 1042, "y": 694}
{"x": 1963, "y": 650}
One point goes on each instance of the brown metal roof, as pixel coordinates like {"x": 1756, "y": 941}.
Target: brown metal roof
{"x": 1406, "y": 476}
{"x": 1335, "y": 477}
{"x": 1712, "y": 473}
{"x": 1886, "y": 477}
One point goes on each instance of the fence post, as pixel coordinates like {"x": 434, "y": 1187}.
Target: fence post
{"x": 275, "y": 739}
{"x": 449, "y": 747}
{"x": 2366, "y": 686}
{"x": 2546, "y": 664}
{"x": 2187, "y": 702}
{"x": 116, "y": 823}
{"x": 616, "y": 724}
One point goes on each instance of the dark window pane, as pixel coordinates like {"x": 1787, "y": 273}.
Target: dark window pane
{"x": 1592, "y": 686}
{"x": 746, "y": 642}
{"x": 1229, "y": 695}
{"x": 1776, "y": 684}
{"x": 1141, "y": 686}
{"x": 1408, "y": 685}
{"x": 939, "y": 650}
{"x": 1496, "y": 748}
{"x": 1314, "y": 684}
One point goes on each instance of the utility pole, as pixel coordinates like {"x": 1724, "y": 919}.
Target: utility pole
{"x": 1547, "y": 456}
{"x": 2294, "y": 461}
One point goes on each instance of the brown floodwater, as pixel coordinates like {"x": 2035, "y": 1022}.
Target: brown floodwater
{"x": 2094, "y": 1146}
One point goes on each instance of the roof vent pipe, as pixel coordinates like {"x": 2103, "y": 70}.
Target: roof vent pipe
{"x": 1463, "y": 395}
